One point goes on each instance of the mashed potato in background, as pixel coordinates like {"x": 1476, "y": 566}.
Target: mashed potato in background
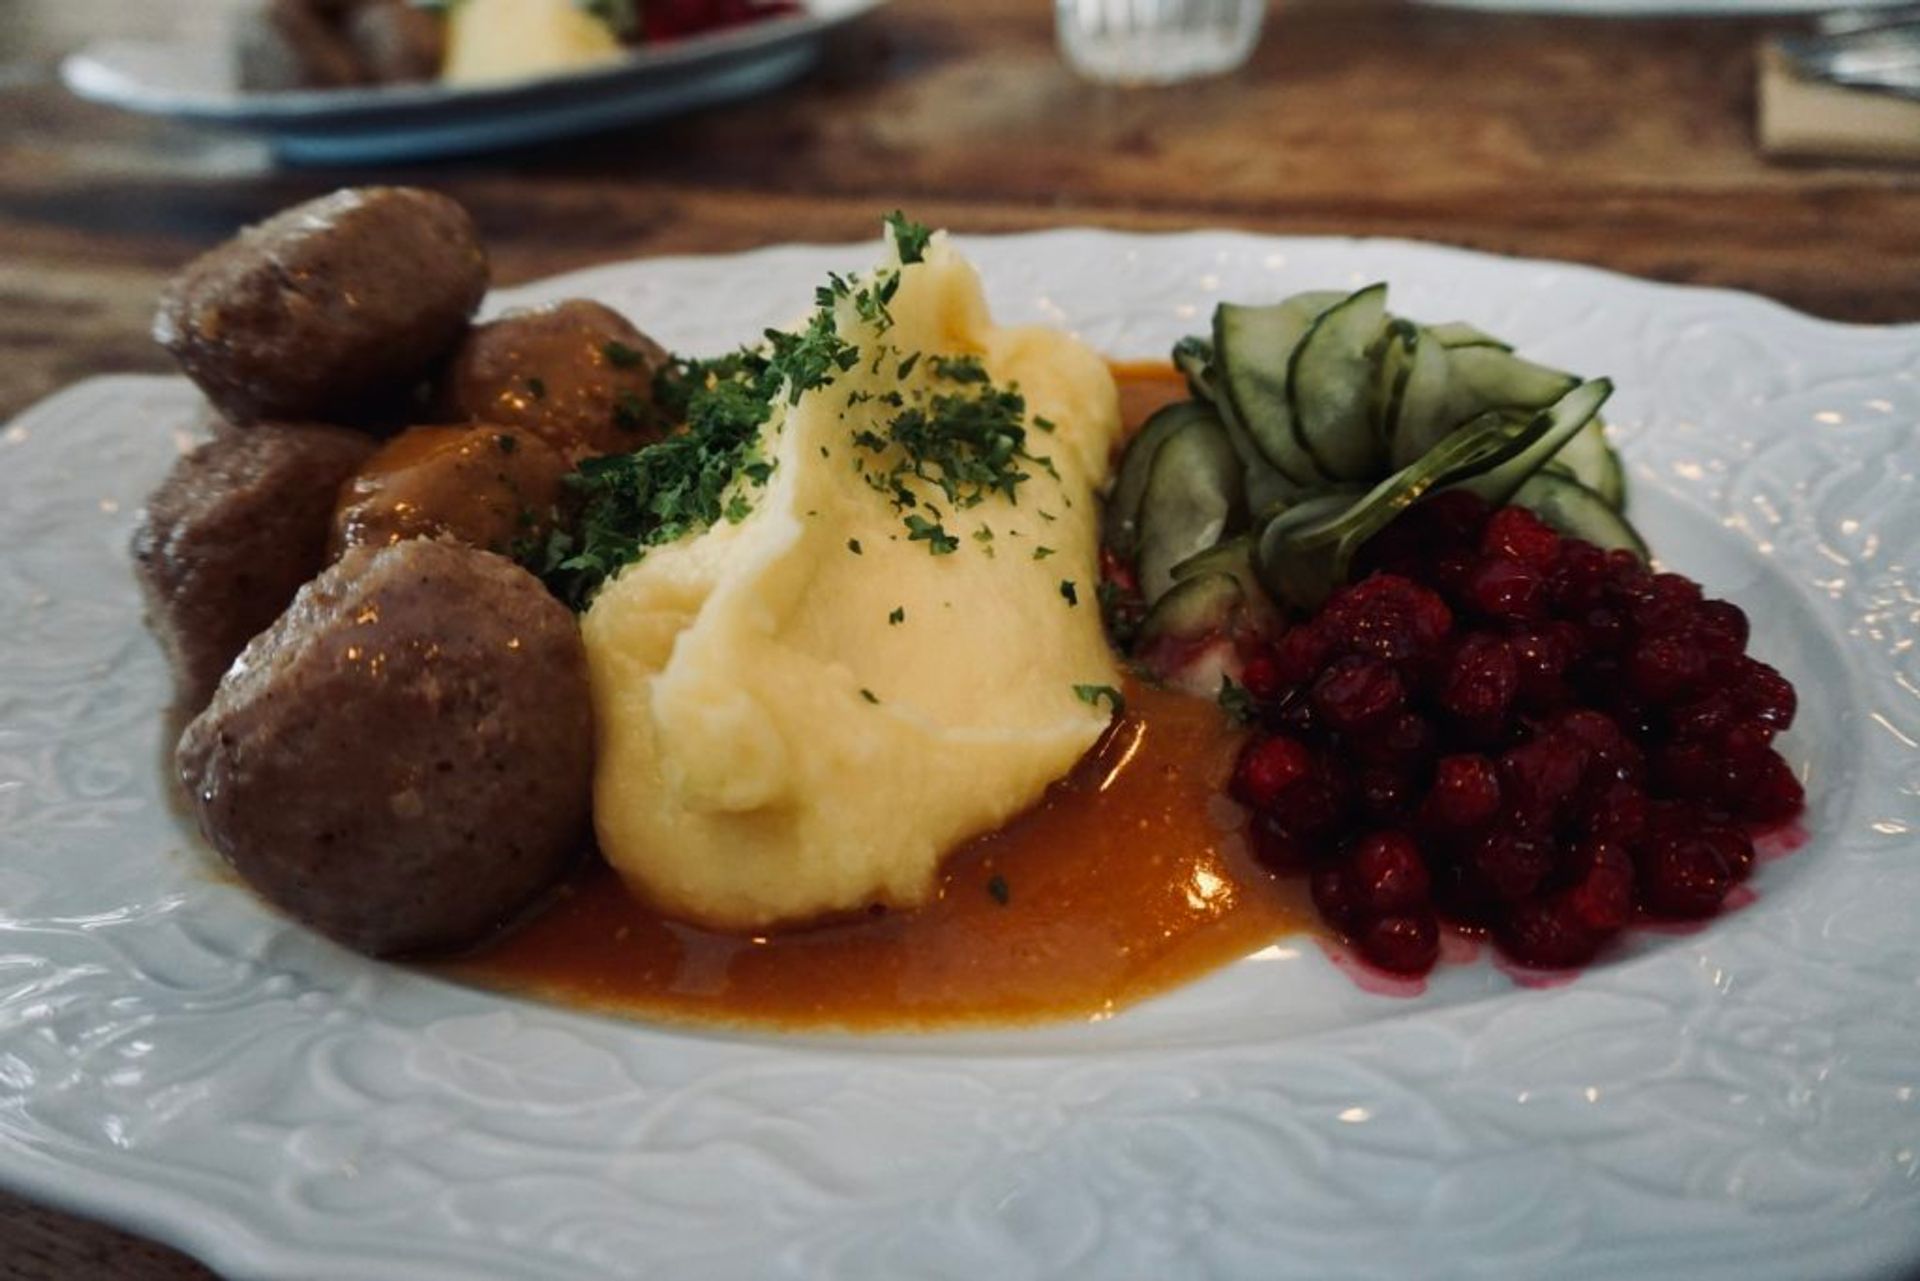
{"x": 790, "y": 727}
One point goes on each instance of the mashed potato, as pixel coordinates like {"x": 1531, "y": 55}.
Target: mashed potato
{"x": 804, "y": 711}
{"x": 489, "y": 41}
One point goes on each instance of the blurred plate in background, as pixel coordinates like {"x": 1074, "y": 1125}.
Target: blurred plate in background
{"x": 194, "y": 80}
{"x": 1651, "y": 8}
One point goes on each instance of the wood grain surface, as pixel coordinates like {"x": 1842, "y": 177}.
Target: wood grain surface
{"x": 1627, "y": 144}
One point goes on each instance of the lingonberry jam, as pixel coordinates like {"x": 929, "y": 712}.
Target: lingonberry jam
{"x": 1513, "y": 731}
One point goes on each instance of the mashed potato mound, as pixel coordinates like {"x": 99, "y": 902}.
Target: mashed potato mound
{"x": 802, "y": 712}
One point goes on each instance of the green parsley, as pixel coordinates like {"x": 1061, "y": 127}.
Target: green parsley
{"x": 870, "y": 696}
{"x": 960, "y": 369}
{"x": 853, "y": 545}
{"x": 538, "y": 386}
{"x": 999, "y": 890}
{"x": 898, "y": 616}
{"x": 1041, "y": 553}
{"x": 909, "y": 237}
{"x": 932, "y": 533}
{"x": 1069, "y": 592}
{"x": 1092, "y": 694}
{"x": 505, "y": 444}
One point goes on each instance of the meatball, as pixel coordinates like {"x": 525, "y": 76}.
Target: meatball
{"x": 328, "y": 311}
{"x": 489, "y": 487}
{"x": 231, "y": 534}
{"x": 405, "y": 759}
{"x": 575, "y": 373}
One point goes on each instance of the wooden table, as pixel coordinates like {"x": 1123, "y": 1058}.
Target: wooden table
{"x": 1625, "y": 144}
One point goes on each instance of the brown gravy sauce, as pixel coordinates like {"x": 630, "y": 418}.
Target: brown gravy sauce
{"x": 1127, "y": 879}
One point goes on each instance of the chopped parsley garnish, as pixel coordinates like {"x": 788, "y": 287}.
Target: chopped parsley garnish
{"x": 853, "y": 545}
{"x": 870, "y": 696}
{"x": 1092, "y": 694}
{"x": 960, "y": 369}
{"x": 898, "y": 616}
{"x": 962, "y": 445}
{"x": 505, "y": 444}
{"x": 999, "y": 890}
{"x": 932, "y": 533}
{"x": 909, "y": 237}
{"x": 1041, "y": 553}
{"x": 621, "y": 356}
{"x": 1069, "y": 592}
{"x": 984, "y": 534}
{"x": 1235, "y": 701}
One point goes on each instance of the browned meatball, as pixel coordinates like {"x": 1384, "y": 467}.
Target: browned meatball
{"x": 328, "y": 310}
{"x": 489, "y": 487}
{"x": 231, "y": 534}
{"x": 575, "y": 373}
{"x": 404, "y": 759}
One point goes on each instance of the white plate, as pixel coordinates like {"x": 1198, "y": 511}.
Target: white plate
{"x": 1736, "y": 1103}
{"x": 191, "y": 77}
{"x": 1655, "y": 8}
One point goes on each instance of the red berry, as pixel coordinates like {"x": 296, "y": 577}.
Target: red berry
{"x": 1541, "y": 774}
{"x": 1299, "y": 655}
{"x": 1268, "y": 769}
{"x": 1387, "y": 617}
{"x": 1548, "y": 934}
{"x": 1337, "y": 896}
{"x": 1355, "y": 693}
{"x": 1764, "y": 694}
{"x": 1575, "y": 583}
{"x": 1682, "y": 873}
{"x": 1518, "y": 534}
{"x": 1719, "y": 627}
{"x": 1465, "y": 793}
{"x": 1505, "y": 588}
{"x": 1407, "y": 944}
{"x": 1260, "y": 677}
{"x": 1773, "y": 793}
{"x": 1666, "y": 668}
{"x": 1479, "y": 683}
{"x": 1509, "y": 863}
{"x": 1389, "y": 876}
{"x": 1601, "y": 895}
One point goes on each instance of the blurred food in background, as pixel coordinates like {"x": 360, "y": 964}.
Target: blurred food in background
{"x": 331, "y": 44}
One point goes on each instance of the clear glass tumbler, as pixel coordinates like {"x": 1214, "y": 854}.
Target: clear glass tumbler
{"x": 1157, "y": 41}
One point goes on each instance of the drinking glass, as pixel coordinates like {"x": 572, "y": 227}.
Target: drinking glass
{"x": 1157, "y": 41}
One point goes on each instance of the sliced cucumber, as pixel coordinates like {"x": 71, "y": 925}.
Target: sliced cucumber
{"x": 1194, "y": 357}
{"x": 1310, "y": 304}
{"x": 1453, "y": 385}
{"x": 1193, "y": 498}
{"x": 1253, "y": 347}
{"x": 1578, "y": 512}
{"x": 1330, "y": 386}
{"x": 1233, "y": 558}
{"x": 1483, "y": 378}
{"x": 1121, "y": 524}
{"x": 1197, "y": 606}
{"x": 1390, "y": 387}
{"x": 1420, "y": 417}
{"x": 1543, "y": 438}
{"x": 1590, "y": 459}
{"x": 1458, "y": 333}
